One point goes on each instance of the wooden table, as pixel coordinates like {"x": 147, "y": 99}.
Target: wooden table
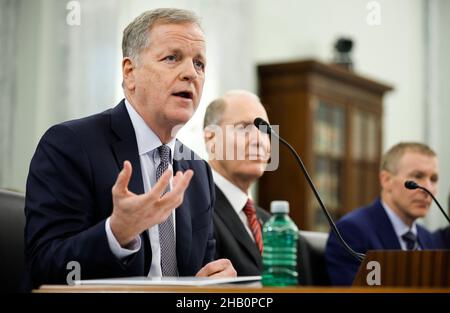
{"x": 227, "y": 288}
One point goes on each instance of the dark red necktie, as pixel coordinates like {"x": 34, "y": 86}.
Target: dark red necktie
{"x": 254, "y": 224}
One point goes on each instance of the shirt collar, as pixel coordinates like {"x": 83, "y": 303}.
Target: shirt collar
{"x": 400, "y": 227}
{"x": 147, "y": 140}
{"x": 235, "y": 196}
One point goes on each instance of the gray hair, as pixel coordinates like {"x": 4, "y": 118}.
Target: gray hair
{"x": 214, "y": 112}
{"x": 136, "y": 36}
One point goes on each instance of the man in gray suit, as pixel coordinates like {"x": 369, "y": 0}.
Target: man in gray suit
{"x": 238, "y": 156}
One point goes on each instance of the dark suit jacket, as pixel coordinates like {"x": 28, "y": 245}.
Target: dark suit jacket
{"x": 442, "y": 237}
{"x": 232, "y": 239}
{"x": 368, "y": 228}
{"x": 69, "y": 198}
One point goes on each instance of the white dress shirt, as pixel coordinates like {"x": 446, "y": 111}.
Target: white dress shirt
{"x": 235, "y": 196}
{"x": 148, "y": 144}
{"x": 400, "y": 227}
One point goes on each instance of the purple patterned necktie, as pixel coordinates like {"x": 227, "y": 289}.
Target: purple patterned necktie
{"x": 166, "y": 228}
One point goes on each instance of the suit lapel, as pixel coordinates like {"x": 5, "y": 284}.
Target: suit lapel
{"x": 183, "y": 218}
{"x": 423, "y": 237}
{"x": 228, "y": 215}
{"x": 125, "y": 148}
{"x": 383, "y": 226}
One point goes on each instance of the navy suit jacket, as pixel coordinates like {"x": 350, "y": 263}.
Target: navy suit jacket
{"x": 232, "y": 239}
{"x": 442, "y": 237}
{"x": 365, "y": 229}
{"x": 68, "y": 199}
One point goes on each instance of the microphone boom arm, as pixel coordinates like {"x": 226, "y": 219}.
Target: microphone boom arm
{"x": 410, "y": 184}
{"x": 435, "y": 200}
{"x": 357, "y": 255}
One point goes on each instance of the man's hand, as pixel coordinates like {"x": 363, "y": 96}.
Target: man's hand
{"x": 218, "y": 268}
{"x": 132, "y": 214}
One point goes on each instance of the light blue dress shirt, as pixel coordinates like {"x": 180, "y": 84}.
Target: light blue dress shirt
{"x": 400, "y": 227}
{"x": 148, "y": 143}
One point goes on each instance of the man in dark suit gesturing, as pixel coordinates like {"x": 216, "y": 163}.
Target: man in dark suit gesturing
{"x": 238, "y": 155}
{"x": 100, "y": 190}
{"x": 389, "y": 222}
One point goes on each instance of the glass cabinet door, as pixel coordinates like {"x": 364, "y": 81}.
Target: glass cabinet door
{"x": 328, "y": 157}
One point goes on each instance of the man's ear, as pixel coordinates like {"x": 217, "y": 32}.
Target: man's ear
{"x": 128, "y": 68}
{"x": 385, "y": 179}
{"x": 210, "y": 140}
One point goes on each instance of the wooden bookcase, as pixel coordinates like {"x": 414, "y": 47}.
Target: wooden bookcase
{"x": 332, "y": 117}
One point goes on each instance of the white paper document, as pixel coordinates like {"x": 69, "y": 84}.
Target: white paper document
{"x": 169, "y": 281}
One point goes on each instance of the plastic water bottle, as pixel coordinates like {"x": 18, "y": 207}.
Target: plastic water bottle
{"x": 280, "y": 236}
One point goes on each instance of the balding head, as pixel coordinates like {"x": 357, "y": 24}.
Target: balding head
{"x": 215, "y": 111}
{"x": 241, "y": 94}
{"x": 228, "y": 126}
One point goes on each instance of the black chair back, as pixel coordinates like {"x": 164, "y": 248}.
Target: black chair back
{"x": 312, "y": 268}
{"x": 12, "y": 223}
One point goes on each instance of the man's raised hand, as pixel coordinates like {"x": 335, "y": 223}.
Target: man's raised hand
{"x": 132, "y": 214}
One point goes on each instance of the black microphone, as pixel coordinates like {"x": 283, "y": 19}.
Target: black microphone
{"x": 409, "y": 184}
{"x": 264, "y": 127}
